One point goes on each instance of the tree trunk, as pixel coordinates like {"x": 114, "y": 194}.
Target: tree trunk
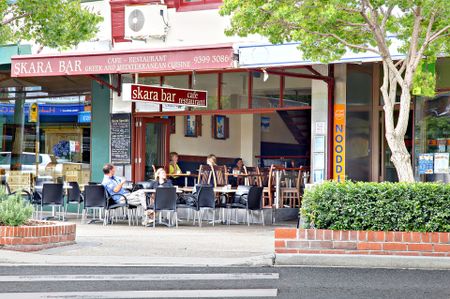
{"x": 400, "y": 157}
{"x": 396, "y": 137}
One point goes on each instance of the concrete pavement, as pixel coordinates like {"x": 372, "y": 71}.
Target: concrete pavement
{"x": 120, "y": 244}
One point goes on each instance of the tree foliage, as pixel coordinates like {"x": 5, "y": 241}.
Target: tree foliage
{"x": 52, "y": 23}
{"x": 327, "y": 29}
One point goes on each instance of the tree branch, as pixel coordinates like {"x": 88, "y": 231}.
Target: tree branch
{"x": 10, "y": 20}
{"x": 437, "y": 34}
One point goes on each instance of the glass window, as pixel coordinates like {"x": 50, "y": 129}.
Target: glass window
{"x": 234, "y": 90}
{"x": 297, "y": 91}
{"x": 266, "y": 90}
{"x": 432, "y": 132}
{"x": 60, "y": 131}
{"x": 207, "y": 82}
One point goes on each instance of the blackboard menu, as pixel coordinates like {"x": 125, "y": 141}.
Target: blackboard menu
{"x": 121, "y": 138}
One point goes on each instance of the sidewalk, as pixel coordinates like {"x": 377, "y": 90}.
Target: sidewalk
{"x": 120, "y": 244}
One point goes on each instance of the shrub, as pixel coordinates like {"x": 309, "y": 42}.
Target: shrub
{"x": 378, "y": 206}
{"x": 14, "y": 210}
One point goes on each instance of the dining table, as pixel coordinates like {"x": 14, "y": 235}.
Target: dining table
{"x": 184, "y": 175}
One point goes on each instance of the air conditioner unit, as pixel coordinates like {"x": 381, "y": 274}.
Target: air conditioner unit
{"x": 145, "y": 21}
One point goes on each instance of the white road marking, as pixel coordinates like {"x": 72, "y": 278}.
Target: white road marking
{"x": 225, "y": 293}
{"x": 141, "y": 277}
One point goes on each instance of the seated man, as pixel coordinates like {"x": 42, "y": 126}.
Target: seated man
{"x": 114, "y": 186}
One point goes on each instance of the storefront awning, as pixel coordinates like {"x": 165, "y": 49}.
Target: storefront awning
{"x": 269, "y": 55}
{"x": 119, "y": 62}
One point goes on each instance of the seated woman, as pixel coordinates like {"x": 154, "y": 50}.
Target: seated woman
{"x": 238, "y": 168}
{"x": 175, "y": 169}
{"x": 161, "y": 179}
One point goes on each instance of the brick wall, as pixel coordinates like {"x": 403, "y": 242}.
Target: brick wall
{"x": 320, "y": 241}
{"x": 32, "y": 238}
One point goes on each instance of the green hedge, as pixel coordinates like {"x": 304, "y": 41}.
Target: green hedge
{"x": 378, "y": 206}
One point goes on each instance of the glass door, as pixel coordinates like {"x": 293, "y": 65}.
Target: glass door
{"x": 152, "y": 147}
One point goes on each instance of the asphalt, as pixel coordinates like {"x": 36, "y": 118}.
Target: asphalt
{"x": 192, "y": 246}
{"x": 221, "y": 282}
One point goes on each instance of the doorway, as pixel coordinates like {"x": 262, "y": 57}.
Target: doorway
{"x": 152, "y": 146}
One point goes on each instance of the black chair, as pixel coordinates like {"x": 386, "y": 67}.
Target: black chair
{"x": 74, "y": 196}
{"x": 24, "y": 193}
{"x": 112, "y": 205}
{"x": 252, "y": 201}
{"x": 52, "y": 195}
{"x": 165, "y": 200}
{"x": 204, "y": 200}
{"x": 94, "y": 199}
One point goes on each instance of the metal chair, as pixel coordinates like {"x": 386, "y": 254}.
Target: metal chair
{"x": 52, "y": 195}
{"x": 252, "y": 201}
{"x": 112, "y": 205}
{"x": 74, "y": 196}
{"x": 165, "y": 200}
{"x": 95, "y": 200}
{"x": 205, "y": 200}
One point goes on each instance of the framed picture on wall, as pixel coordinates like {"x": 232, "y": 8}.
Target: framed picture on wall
{"x": 192, "y": 125}
{"x": 220, "y": 127}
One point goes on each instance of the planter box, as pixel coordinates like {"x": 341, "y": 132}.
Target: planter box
{"x": 321, "y": 241}
{"x": 37, "y": 237}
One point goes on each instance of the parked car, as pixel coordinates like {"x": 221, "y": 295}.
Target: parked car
{"x": 47, "y": 162}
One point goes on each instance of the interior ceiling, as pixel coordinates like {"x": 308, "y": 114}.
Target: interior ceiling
{"x": 54, "y": 86}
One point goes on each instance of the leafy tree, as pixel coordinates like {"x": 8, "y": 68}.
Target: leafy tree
{"x": 52, "y": 23}
{"x": 326, "y": 29}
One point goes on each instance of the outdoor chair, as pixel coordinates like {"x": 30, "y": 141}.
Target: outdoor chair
{"x": 269, "y": 187}
{"x": 205, "y": 175}
{"x": 112, "y": 206}
{"x": 95, "y": 200}
{"x": 204, "y": 200}
{"x": 219, "y": 175}
{"x": 251, "y": 201}
{"x": 52, "y": 195}
{"x": 165, "y": 200}
{"x": 291, "y": 195}
{"x": 254, "y": 176}
{"x": 74, "y": 196}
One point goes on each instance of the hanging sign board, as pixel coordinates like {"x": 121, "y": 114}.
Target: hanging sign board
{"x": 164, "y": 95}
{"x": 339, "y": 143}
{"x": 121, "y": 138}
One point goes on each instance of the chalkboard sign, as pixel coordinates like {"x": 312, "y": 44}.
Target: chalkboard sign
{"x": 121, "y": 138}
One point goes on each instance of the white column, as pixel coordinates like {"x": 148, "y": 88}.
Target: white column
{"x": 319, "y": 125}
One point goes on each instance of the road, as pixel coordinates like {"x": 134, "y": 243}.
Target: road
{"x": 225, "y": 282}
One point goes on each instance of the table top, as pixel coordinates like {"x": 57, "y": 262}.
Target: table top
{"x": 183, "y": 174}
{"x": 154, "y": 190}
{"x": 65, "y": 186}
{"x": 216, "y": 189}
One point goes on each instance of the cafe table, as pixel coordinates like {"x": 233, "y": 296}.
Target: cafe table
{"x": 185, "y": 175}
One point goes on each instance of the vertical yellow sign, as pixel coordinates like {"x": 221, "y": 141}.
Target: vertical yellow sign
{"x": 33, "y": 114}
{"x": 339, "y": 143}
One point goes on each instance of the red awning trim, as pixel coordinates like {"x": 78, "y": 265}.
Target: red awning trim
{"x": 130, "y": 61}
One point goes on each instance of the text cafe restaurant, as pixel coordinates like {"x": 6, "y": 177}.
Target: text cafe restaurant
{"x": 325, "y": 118}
